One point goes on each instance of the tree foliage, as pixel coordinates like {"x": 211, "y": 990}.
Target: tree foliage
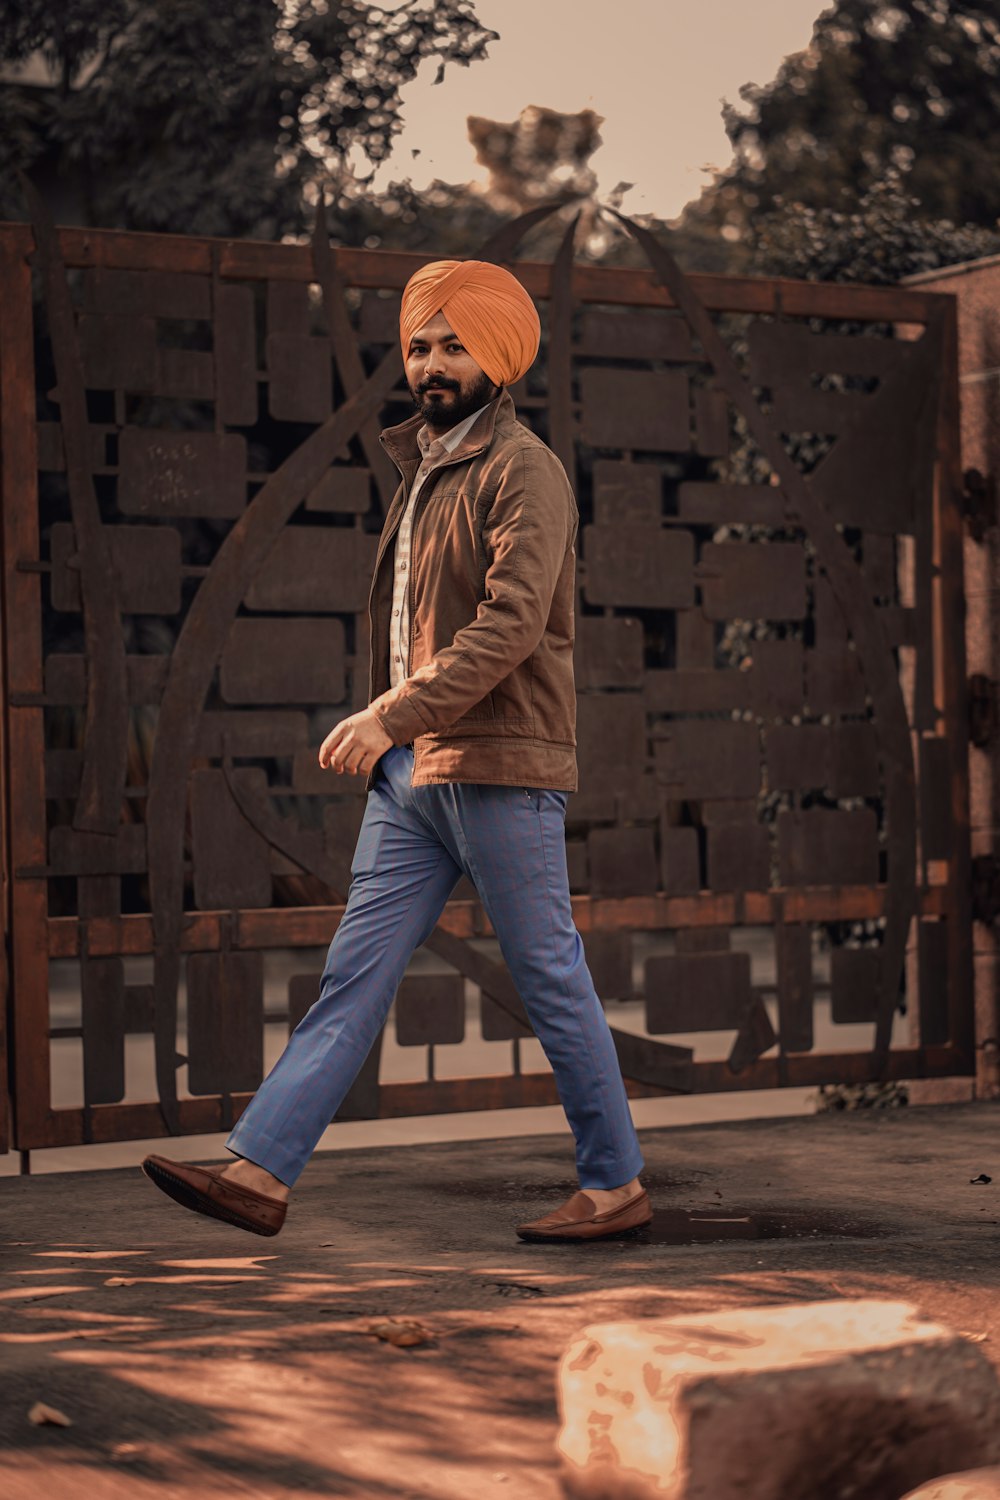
{"x": 905, "y": 87}
{"x": 882, "y": 241}
{"x": 205, "y": 119}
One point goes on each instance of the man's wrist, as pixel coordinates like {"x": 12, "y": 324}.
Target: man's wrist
{"x": 400, "y": 721}
{"x": 376, "y": 715}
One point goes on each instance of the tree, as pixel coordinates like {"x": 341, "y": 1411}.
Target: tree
{"x": 541, "y": 157}
{"x": 204, "y": 119}
{"x": 882, "y": 241}
{"x": 910, "y": 87}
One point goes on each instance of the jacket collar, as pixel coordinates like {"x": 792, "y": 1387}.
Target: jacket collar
{"x": 401, "y": 442}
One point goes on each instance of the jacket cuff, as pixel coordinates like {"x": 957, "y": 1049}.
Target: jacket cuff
{"x": 400, "y": 721}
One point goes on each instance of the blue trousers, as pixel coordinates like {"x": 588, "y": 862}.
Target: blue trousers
{"x": 415, "y": 843}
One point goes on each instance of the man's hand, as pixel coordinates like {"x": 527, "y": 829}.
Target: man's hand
{"x": 355, "y": 745}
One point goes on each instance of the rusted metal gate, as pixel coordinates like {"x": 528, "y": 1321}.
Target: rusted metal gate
{"x": 772, "y": 720}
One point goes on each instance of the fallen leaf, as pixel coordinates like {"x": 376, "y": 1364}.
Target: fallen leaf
{"x": 400, "y": 1333}
{"x": 981, "y": 1178}
{"x": 976, "y": 1338}
{"x": 48, "y": 1416}
{"x": 125, "y": 1451}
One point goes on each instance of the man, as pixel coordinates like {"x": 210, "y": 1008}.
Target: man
{"x": 468, "y": 744}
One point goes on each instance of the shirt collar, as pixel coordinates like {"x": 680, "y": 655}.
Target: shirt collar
{"x": 435, "y": 448}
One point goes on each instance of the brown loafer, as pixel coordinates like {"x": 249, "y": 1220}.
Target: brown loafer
{"x": 206, "y": 1191}
{"x": 579, "y": 1220}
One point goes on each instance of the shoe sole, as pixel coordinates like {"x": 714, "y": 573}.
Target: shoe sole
{"x": 199, "y": 1203}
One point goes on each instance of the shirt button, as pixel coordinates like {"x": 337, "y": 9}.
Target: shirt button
{"x": 402, "y": 567}
{"x": 399, "y": 658}
{"x": 395, "y": 611}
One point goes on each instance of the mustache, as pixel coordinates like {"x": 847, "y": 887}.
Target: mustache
{"x": 436, "y": 383}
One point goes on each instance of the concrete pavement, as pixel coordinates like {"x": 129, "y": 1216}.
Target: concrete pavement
{"x": 195, "y": 1360}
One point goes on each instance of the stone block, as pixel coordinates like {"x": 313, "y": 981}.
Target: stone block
{"x": 973, "y": 1484}
{"x": 814, "y": 1401}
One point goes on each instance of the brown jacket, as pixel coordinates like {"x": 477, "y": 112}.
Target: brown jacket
{"x": 490, "y": 695}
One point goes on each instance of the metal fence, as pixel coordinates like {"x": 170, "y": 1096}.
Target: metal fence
{"x": 770, "y": 664}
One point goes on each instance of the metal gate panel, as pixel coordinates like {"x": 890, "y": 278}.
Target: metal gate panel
{"x": 755, "y": 654}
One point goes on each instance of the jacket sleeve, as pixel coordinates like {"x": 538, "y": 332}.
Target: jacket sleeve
{"x": 528, "y": 530}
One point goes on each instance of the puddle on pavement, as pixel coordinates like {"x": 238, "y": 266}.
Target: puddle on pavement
{"x": 678, "y": 1226}
{"x": 695, "y": 1226}
{"x": 552, "y": 1193}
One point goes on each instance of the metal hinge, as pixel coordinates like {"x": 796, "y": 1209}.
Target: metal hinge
{"x": 986, "y": 887}
{"x": 979, "y": 502}
{"x": 982, "y": 710}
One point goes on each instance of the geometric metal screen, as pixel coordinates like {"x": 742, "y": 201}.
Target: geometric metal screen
{"x": 770, "y": 666}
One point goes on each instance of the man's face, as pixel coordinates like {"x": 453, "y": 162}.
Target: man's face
{"x": 444, "y": 379}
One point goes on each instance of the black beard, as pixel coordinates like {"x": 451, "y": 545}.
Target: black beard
{"x": 461, "y": 405}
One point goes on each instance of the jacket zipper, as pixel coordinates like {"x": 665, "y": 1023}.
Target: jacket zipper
{"x": 446, "y": 463}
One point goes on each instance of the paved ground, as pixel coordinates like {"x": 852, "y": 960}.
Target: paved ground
{"x": 197, "y": 1361}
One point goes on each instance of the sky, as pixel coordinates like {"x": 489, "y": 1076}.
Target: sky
{"x": 657, "y": 70}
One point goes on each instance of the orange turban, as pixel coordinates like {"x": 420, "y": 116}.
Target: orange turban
{"x": 486, "y": 306}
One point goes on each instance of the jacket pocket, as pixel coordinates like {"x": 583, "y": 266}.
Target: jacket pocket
{"x": 511, "y": 699}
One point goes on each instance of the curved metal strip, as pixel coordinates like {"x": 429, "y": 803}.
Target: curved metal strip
{"x": 345, "y": 351}
{"x": 105, "y": 745}
{"x": 560, "y": 362}
{"x": 755, "y": 1037}
{"x": 501, "y": 245}
{"x": 192, "y": 665}
{"x": 851, "y": 593}
{"x": 296, "y": 845}
{"x": 657, "y": 1064}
